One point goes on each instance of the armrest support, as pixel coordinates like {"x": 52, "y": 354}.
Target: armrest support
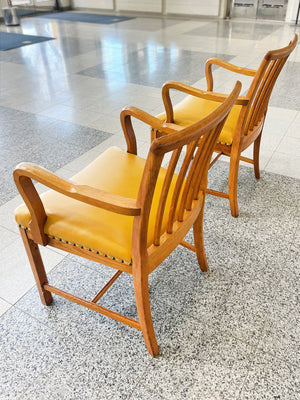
{"x": 226, "y": 65}
{"x": 143, "y": 116}
{"x": 208, "y": 95}
{"x": 26, "y": 172}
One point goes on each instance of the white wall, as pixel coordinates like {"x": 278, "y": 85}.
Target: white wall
{"x": 189, "y": 7}
{"x": 101, "y": 4}
{"x": 139, "y": 5}
{"x": 193, "y": 7}
{"x": 65, "y": 3}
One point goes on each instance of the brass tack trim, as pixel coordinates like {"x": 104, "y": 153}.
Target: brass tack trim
{"x": 82, "y": 247}
{"x": 226, "y": 144}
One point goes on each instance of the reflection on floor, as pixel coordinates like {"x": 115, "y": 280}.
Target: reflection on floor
{"x": 232, "y": 333}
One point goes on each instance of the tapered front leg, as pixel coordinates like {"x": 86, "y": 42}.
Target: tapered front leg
{"x": 37, "y": 267}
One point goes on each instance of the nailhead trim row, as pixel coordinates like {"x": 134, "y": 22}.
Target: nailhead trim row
{"x": 82, "y": 247}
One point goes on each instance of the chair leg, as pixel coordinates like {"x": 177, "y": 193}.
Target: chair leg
{"x": 256, "y": 148}
{"x": 37, "y": 267}
{"x": 198, "y": 240}
{"x": 141, "y": 290}
{"x": 232, "y": 184}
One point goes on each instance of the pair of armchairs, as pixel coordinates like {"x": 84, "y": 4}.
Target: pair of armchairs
{"x": 130, "y": 213}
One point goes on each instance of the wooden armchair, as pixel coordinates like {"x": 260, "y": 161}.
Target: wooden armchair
{"x": 122, "y": 210}
{"x": 246, "y": 120}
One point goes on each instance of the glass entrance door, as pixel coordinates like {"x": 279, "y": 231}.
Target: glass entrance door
{"x": 262, "y": 9}
{"x": 27, "y": 7}
{"x": 244, "y": 8}
{"x": 272, "y": 9}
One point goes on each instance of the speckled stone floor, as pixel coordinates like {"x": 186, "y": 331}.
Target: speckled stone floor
{"x": 231, "y": 333}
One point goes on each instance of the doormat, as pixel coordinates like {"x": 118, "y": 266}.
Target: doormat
{"x": 85, "y": 17}
{"x": 10, "y": 40}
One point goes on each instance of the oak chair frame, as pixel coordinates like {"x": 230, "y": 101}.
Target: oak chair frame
{"x": 186, "y": 210}
{"x": 250, "y": 123}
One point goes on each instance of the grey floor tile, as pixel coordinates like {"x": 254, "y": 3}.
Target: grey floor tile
{"x": 49, "y": 365}
{"x": 198, "y": 362}
{"x": 39, "y": 134}
{"x": 67, "y": 46}
{"x": 4, "y": 306}
{"x": 270, "y": 378}
{"x": 180, "y": 65}
{"x": 146, "y": 24}
{"x": 28, "y": 350}
{"x": 141, "y": 392}
{"x": 281, "y": 334}
{"x": 285, "y": 92}
{"x": 235, "y": 30}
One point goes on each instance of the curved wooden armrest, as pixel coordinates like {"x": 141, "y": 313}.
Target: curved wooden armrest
{"x": 87, "y": 194}
{"x": 208, "y": 95}
{"x": 24, "y": 173}
{"x": 226, "y": 65}
{"x": 143, "y": 116}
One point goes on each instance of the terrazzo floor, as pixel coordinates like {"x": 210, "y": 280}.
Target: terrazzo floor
{"x": 231, "y": 333}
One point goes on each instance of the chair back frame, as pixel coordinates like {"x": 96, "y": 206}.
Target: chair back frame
{"x": 199, "y": 141}
{"x": 252, "y": 115}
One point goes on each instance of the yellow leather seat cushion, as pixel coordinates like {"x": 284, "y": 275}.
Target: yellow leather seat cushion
{"x": 114, "y": 171}
{"x": 192, "y": 109}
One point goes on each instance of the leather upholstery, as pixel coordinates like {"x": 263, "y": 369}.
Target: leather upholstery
{"x": 114, "y": 171}
{"x": 191, "y": 109}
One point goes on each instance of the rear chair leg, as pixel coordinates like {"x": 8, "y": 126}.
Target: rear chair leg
{"x": 256, "y": 147}
{"x": 37, "y": 267}
{"x": 233, "y": 183}
{"x": 198, "y": 240}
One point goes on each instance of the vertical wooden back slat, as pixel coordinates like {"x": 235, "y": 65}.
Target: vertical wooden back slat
{"x": 260, "y": 103}
{"x": 178, "y": 187}
{"x": 202, "y": 170}
{"x": 202, "y": 131}
{"x": 204, "y": 155}
{"x": 164, "y": 194}
{"x": 188, "y": 181}
{"x": 259, "y": 92}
